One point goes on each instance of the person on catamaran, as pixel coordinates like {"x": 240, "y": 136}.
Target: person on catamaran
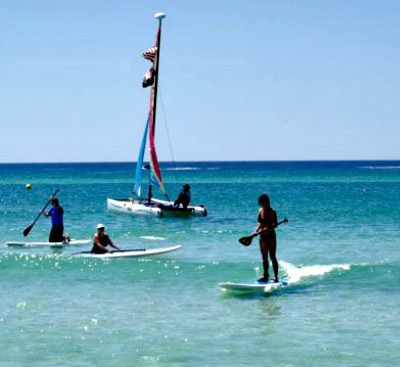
{"x": 267, "y": 221}
{"x": 184, "y": 197}
{"x": 57, "y": 222}
{"x": 101, "y": 241}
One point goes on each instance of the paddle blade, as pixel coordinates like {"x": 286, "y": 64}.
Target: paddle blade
{"x": 246, "y": 241}
{"x": 27, "y": 230}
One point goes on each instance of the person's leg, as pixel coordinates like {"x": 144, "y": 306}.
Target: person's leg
{"x": 59, "y": 233}
{"x": 272, "y": 255}
{"x": 264, "y": 255}
{"x": 56, "y": 233}
{"x": 52, "y": 235}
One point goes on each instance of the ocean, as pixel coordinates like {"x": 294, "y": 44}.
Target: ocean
{"x": 339, "y": 252}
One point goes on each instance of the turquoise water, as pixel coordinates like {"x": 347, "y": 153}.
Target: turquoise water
{"x": 339, "y": 252}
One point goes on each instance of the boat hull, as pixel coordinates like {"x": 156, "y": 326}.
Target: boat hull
{"x": 156, "y": 207}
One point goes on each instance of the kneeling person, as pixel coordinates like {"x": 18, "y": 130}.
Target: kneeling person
{"x": 101, "y": 240}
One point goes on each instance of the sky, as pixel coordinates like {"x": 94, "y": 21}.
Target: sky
{"x": 239, "y": 80}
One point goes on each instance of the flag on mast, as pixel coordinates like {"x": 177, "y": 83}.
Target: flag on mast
{"x": 150, "y": 54}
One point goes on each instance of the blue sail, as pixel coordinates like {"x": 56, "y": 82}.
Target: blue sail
{"x": 139, "y": 164}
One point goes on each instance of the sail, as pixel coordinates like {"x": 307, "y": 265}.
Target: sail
{"x": 155, "y": 166}
{"x": 153, "y": 55}
{"x": 139, "y": 164}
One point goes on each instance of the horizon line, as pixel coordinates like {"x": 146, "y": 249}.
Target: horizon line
{"x": 215, "y": 161}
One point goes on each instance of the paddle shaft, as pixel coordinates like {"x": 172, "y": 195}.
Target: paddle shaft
{"x": 267, "y": 229}
{"x": 246, "y": 241}
{"x": 28, "y": 229}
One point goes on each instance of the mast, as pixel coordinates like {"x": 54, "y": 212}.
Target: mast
{"x": 160, "y": 17}
{"x": 153, "y": 111}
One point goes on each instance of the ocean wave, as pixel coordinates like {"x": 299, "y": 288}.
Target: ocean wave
{"x": 379, "y": 167}
{"x": 182, "y": 169}
{"x": 296, "y": 273}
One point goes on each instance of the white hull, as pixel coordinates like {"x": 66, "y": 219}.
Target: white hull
{"x": 156, "y": 207}
{"x": 129, "y": 253}
{"x": 48, "y": 244}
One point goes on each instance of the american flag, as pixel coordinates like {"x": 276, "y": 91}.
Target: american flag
{"x": 150, "y": 54}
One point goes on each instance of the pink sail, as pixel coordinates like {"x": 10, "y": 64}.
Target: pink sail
{"x": 153, "y": 56}
{"x": 155, "y": 167}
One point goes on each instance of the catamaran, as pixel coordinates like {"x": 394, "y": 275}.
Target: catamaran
{"x": 150, "y": 205}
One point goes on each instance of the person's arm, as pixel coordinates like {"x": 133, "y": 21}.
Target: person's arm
{"x": 275, "y": 221}
{"x": 178, "y": 200}
{"x": 98, "y": 244}
{"x": 47, "y": 214}
{"x": 111, "y": 243}
{"x": 259, "y": 224}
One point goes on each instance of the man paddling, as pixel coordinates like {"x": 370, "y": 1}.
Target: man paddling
{"x": 57, "y": 221}
{"x": 101, "y": 241}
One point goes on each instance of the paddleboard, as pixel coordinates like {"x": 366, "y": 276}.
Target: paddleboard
{"x": 129, "y": 253}
{"x": 48, "y": 244}
{"x": 252, "y": 287}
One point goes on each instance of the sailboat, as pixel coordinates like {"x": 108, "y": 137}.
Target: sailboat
{"x": 150, "y": 205}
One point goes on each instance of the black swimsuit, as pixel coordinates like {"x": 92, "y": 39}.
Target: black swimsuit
{"x": 269, "y": 222}
{"x": 105, "y": 241}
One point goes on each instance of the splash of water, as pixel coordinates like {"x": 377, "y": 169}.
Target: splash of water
{"x": 296, "y": 273}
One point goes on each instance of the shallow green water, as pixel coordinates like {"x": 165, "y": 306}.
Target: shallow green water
{"x": 339, "y": 253}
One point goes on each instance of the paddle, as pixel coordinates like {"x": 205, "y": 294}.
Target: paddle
{"x": 109, "y": 252}
{"x": 246, "y": 241}
{"x": 28, "y": 229}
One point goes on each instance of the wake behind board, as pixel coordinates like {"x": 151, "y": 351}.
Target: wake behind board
{"x": 129, "y": 253}
{"x": 251, "y": 287}
{"x": 48, "y": 244}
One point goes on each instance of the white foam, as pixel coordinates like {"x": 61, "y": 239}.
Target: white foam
{"x": 296, "y": 273}
{"x": 153, "y": 238}
{"x": 182, "y": 169}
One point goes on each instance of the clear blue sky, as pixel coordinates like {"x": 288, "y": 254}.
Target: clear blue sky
{"x": 240, "y": 80}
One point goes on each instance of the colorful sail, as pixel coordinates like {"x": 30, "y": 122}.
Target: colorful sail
{"x": 139, "y": 164}
{"x": 153, "y": 55}
{"x": 155, "y": 167}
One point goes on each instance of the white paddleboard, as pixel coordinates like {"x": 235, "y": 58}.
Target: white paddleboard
{"x": 129, "y": 253}
{"x": 48, "y": 244}
{"x": 252, "y": 287}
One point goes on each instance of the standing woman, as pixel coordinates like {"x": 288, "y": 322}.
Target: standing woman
{"x": 57, "y": 221}
{"x": 267, "y": 221}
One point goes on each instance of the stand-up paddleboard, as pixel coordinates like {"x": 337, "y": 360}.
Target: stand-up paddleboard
{"x": 252, "y": 287}
{"x": 48, "y": 244}
{"x": 129, "y": 253}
